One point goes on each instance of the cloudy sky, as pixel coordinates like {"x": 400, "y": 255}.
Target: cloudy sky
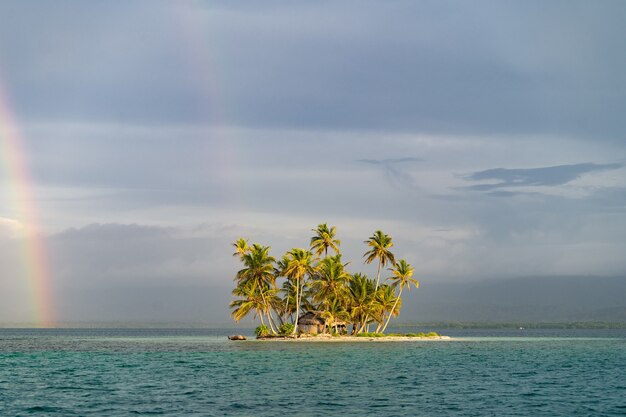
{"x": 488, "y": 138}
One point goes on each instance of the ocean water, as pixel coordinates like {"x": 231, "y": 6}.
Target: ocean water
{"x": 201, "y": 373}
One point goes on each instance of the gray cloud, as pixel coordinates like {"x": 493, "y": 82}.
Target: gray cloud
{"x": 130, "y": 272}
{"x": 394, "y": 174}
{"x": 389, "y": 161}
{"x": 545, "y": 176}
{"x": 132, "y": 253}
{"x": 444, "y": 68}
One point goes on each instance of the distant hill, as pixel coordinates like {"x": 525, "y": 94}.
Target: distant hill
{"x": 531, "y": 299}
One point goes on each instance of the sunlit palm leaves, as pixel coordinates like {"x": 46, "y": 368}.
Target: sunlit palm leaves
{"x": 362, "y": 300}
{"x": 335, "y": 314}
{"x": 380, "y": 244}
{"x": 324, "y": 238}
{"x": 241, "y": 247}
{"x": 388, "y": 302}
{"x": 257, "y": 278}
{"x": 259, "y": 267}
{"x": 329, "y": 283}
{"x": 259, "y": 299}
{"x": 402, "y": 278}
{"x": 299, "y": 265}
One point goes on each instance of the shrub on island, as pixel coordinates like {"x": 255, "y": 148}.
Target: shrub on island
{"x": 286, "y": 329}
{"x": 262, "y": 331}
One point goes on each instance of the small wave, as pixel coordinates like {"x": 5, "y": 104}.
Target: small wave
{"x": 44, "y": 409}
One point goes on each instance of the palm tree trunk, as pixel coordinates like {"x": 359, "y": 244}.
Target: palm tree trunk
{"x": 380, "y": 264}
{"x": 379, "y": 326}
{"x": 287, "y": 302}
{"x": 272, "y": 322}
{"x": 393, "y": 309}
{"x": 267, "y": 316}
{"x": 267, "y": 311}
{"x": 363, "y": 326}
{"x": 295, "y": 328}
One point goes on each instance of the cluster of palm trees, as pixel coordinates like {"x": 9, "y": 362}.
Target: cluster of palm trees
{"x": 311, "y": 282}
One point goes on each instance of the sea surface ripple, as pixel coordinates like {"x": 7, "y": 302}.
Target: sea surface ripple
{"x": 201, "y": 373}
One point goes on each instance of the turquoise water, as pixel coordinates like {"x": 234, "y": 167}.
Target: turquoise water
{"x": 200, "y": 373}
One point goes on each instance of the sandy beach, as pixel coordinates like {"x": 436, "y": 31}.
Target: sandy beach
{"x": 329, "y": 338}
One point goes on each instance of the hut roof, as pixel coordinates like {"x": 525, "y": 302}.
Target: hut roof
{"x": 310, "y": 322}
{"x": 311, "y": 318}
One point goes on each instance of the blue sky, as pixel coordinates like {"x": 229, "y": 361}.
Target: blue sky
{"x": 486, "y": 137}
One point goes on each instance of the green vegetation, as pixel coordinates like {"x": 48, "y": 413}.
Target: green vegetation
{"x": 517, "y": 325}
{"x": 420, "y": 334}
{"x": 262, "y": 331}
{"x": 279, "y": 292}
{"x": 285, "y": 329}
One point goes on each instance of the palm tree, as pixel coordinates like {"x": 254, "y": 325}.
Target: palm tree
{"x": 259, "y": 266}
{"x": 241, "y": 247}
{"x": 279, "y": 271}
{"x": 253, "y": 298}
{"x": 335, "y": 313}
{"x": 387, "y": 300}
{"x": 380, "y": 244}
{"x": 402, "y": 277}
{"x": 258, "y": 274}
{"x": 306, "y": 296}
{"x": 324, "y": 239}
{"x": 298, "y": 266}
{"x": 329, "y": 283}
{"x": 288, "y": 304}
{"x": 362, "y": 301}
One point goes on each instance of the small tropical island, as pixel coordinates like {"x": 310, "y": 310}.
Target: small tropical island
{"x": 309, "y": 294}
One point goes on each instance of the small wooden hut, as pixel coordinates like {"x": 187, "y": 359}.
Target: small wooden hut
{"x": 340, "y": 326}
{"x": 311, "y": 322}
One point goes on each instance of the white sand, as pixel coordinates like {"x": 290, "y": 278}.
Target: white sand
{"x": 329, "y": 338}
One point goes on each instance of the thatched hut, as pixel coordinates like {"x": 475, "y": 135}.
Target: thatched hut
{"x": 339, "y": 326}
{"x": 311, "y": 322}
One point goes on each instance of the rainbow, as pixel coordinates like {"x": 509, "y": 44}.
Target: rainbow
{"x": 37, "y": 272}
{"x": 202, "y": 55}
